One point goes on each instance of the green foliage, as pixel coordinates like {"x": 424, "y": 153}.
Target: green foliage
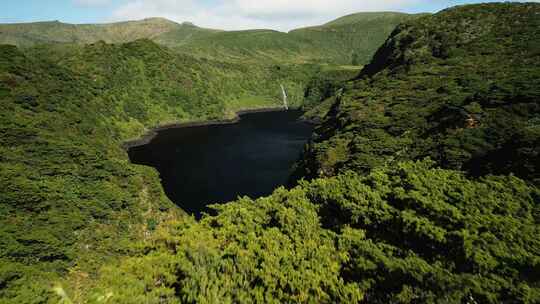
{"x": 353, "y": 39}
{"x": 79, "y": 224}
{"x": 469, "y": 100}
{"x": 68, "y": 193}
{"x": 326, "y": 83}
{"x": 355, "y": 59}
{"x": 265, "y": 252}
{"x": 334, "y": 42}
{"x": 147, "y": 85}
{"x": 408, "y": 234}
{"x": 431, "y": 234}
{"x": 70, "y": 200}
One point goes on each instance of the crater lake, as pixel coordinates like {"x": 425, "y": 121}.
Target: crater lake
{"x": 202, "y": 165}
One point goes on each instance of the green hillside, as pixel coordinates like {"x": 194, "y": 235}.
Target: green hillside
{"x": 419, "y": 186}
{"x": 353, "y": 39}
{"x": 71, "y": 200}
{"x": 163, "y": 30}
{"x": 182, "y": 34}
{"x": 253, "y": 46}
{"x": 356, "y": 36}
{"x": 347, "y": 40}
{"x": 376, "y": 227}
{"x": 467, "y": 100}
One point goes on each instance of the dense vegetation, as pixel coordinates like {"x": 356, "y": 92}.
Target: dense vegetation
{"x": 349, "y": 40}
{"x": 410, "y": 234}
{"x": 353, "y": 39}
{"x": 321, "y": 89}
{"x": 145, "y": 84}
{"x": 374, "y": 221}
{"x": 466, "y": 98}
{"x": 70, "y": 199}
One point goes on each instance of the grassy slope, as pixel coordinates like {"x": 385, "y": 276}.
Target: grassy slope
{"x": 357, "y": 35}
{"x": 182, "y": 35}
{"x": 334, "y": 42}
{"x": 252, "y": 45}
{"x": 163, "y": 30}
{"x": 391, "y": 232}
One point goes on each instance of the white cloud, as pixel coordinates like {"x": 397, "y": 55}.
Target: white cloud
{"x": 92, "y": 2}
{"x": 245, "y": 14}
{"x": 269, "y": 8}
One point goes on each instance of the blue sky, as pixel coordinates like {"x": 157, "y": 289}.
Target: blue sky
{"x": 225, "y": 14}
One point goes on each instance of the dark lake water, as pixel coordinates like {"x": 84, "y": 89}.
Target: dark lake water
{"x": 215, "y": 164}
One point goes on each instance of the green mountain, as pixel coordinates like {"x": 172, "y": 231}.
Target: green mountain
{"x": 71, "y": 200}
{"x": 353, "y": 39}
{"x": 339, "y": 42}
{"x": 182, "y": 34}
{"x": 163, "y": 30}
{"x": 372, "y": 221}
{"x": 467, "y": 100}
{"x": 254, "y": 46}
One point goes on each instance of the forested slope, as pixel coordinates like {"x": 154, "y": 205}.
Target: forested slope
{"x": 352, "y": 38}
{"x": 383, "y": 229}
{"x": 461, "y": 87}
{"x": 374, "y": 223}
{"x": 407, "y": 234}
{"x": 70, "y": 200}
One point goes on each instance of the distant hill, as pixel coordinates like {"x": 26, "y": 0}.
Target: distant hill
{"x": 347, "y": 40}
{"x": 181, "y": 34}
{"x": 67, "y": 108}
{"x": 257, "y": 45}
{"x": 352, "y": 39}
{"x": 30, "y": 34}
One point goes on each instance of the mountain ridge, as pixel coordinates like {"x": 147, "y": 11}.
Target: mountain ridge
{"x": 410, "y": 57}
{"x": 30, "y": 34}
{"x": 356, "y": 35}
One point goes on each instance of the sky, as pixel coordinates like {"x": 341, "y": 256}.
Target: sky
{"x": 280, "y": 15}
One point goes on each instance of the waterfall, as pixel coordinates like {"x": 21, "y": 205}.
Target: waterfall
{"x": 285, "y": 103}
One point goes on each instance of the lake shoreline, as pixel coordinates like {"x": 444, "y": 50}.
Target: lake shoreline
{"x": 153, "y": 132}
{"x": 215, "y": 163}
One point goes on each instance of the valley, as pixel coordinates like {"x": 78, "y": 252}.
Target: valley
{"x": 419, "y": 182}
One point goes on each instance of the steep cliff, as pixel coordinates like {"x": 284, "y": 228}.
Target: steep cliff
{"x": 461, "y": 87}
